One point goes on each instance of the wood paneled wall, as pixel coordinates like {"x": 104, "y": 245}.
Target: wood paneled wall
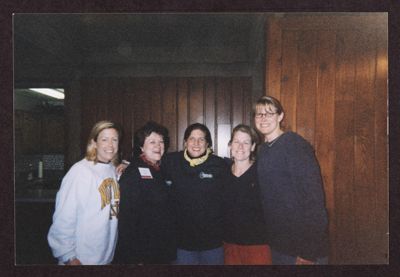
{"x": 174, "y": 102}
{"x": 330, "y": 72}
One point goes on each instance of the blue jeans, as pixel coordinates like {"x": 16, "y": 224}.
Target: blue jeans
{"x": 278, "y": 258}
{"x": 206, "y": 257}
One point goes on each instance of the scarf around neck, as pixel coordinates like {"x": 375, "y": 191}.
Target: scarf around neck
{"x": 155, "y": 166}
{"x": 196, "y": 161}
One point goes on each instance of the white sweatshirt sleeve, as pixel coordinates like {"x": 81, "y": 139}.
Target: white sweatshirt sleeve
{"x": 62, "y": 233}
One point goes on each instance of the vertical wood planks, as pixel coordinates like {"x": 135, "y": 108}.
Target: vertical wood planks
{"x": 196, "y": 101}
{"x": 346, "y": 80}
{"x": 381, "y": 141}
{"x": 343, "y": 237}
{"x": 169, "y": 107}
{"x": 290, "y": 78}
{"x": 237, "y": 103}
{"x": 248, "y": 102}
{"x": 128, "y": 120}
{"x": 365, "y": 178}
{"x": 324, "y": 121}
{"x": 210, "y": 106}
{"x": 173, "y": 102}
{"x": 364, "y": 142}
{"x": 306, "y": 102}
{"x": 142, "y": 103}
{"x": 273, "y": 57}
{"x": 183, "y": 113}
{"x": 224, "y": 89}
{"x": 156, "y": 92}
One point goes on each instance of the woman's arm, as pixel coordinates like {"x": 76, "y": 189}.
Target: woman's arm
{"x": 127, "y": 251}
{"x": 308, "y": 184}
{"x": 62, "y": 233}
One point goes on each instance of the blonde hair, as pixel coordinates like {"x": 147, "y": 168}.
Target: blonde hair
{"x": 265, "y": 101}
{"x": 91, "y": 152}
{"x": 271, "y": 102}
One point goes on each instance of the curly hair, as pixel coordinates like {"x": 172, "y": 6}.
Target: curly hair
{"x": 143, "y": 132}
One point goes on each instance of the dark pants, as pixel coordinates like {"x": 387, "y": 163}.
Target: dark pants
{"x": 207, "y": 257}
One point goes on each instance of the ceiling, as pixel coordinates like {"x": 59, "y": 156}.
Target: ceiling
{"x": 57, "y": 47}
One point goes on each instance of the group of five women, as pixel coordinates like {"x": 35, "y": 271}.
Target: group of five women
{"x": 193, "y": 207}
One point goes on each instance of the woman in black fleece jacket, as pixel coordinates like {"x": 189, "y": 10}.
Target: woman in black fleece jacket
{"x": 292, "y": 190}
{"x": 146, "y": 228}
{"x": 196, "y": 177}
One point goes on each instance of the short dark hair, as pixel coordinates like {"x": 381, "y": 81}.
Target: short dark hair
{"x": 143, "y": 132}
{"x": 201, "y": 127}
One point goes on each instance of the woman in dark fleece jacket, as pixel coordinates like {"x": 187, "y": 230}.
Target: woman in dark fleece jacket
{"x": 146, "y": 229}
{"x": 196, "y": 177}
{"x": 292, "y": 190}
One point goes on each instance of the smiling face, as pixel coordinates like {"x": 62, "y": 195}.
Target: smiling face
{"x": 106, "y": 145}
{"x": 241, "y": 146}
{"x": 196, "y": 143}
{"x": 268, "y": 124}
{"x": 153, "y": 147}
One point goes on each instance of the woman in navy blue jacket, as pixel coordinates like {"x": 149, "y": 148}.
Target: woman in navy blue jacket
{"x": 292, "y": 190}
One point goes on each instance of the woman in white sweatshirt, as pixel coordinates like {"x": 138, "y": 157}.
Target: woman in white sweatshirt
{"x": 84, "y": 229}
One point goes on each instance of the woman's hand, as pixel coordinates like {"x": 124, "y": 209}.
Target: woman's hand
{"x": 121, "y": 168}
{"x": 74, "y": 262}
{"x": 301, "y": 261}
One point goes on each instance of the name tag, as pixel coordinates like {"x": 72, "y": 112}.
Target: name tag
{"x": 145, "y": 173}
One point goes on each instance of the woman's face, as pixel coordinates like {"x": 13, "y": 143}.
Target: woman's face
{"x": 106, "y": 145}
{"x": 241, "y": 146}
{"x": 153, "y": 147}
{"x": 196, "y": 143}
{"x": 267, "y": 121}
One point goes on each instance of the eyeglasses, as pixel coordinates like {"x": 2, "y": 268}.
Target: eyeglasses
{"x": 267, "y": 115}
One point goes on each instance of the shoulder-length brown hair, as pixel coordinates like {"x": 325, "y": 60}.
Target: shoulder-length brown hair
{"x": 255, "y": 138}
{"x": 91, "y": 152}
